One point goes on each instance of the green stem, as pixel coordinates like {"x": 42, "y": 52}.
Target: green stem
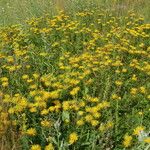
{"x": 116, "y": 116}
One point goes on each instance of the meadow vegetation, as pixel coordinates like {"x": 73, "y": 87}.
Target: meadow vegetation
{"x": 75, "y": 79}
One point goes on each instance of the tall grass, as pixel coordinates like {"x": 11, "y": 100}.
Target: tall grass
{"x": 17, "y": 11}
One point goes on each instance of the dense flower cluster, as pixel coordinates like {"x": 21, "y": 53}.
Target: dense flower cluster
{"x": 76, "y": 82}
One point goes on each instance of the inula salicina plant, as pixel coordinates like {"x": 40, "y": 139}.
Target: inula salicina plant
{"x": 77, "y": 82}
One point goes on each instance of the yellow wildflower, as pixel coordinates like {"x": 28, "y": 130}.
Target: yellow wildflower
{"x": 88, "y": 118}
{"x": 5, "y": 84}
{"x": 127, "y": 140}
{"x": 94, "y": 122}
{"x": 35, "y": 75}
{"x": 73, "y": 137}
{"x": 44, "y": 112}
{"x": 118, "y": 83}
{"x": 74, "y": 91}
{"x": 142, "y": 90}
{"x": 31, "y": 132}
{"x": 140, "y": 113}
{"x": 137, "y": 130}
{"x": 134, "y": 78}
{"x": 133, "y": 91}
{"x": 147, "y": 140}
{"x": 45, "y": 123}
{"x": 80, "y": 122}
{"x": 4, "y": 79}
{"x": 49, "y": 147}
{"x": 25, "y": 76}
{"x": 35, "y": 147}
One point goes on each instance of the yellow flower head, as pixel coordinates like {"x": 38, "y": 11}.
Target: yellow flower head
{"x": 118, "y": 83}
{"x": 80, "y": 122}
{"x": 137, "y": 130}
{"x": 36, "y": 147}
{"x": 73, "y": 137}
{"x": 25, "y": 76}
{"x": 49, "y": 147}
{"x": 147, "y": 140}
{"x": 5, "y": 84}
{"x": 74, "y": 91}
{"x": 45, "y": 123}
{"x": 142, "y": 90}
{"x": 94, "y": 122}
{"x": 127, "y": 140}
{"x": 4, "y": 79}
{"x": 31, "y": 132}
{"x": 133, "y": 91}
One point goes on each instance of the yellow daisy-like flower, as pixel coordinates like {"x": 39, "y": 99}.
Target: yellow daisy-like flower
{"x": 127, "y": 140}
{"x": 109, "y": 124}
{"x": 74, "y": 91}
{"x": 4, "y": 79}
{"x": 137, "y": 130}
{"x": 45, "y": 123}
{"x": 35, "y": 75}
{"x": 133, "y": 91}
{"x": 94, "y": 122}
{"x": 73, "y": 137}
{"x": 49, "y": 147}
{"x": 25, "y": 76}
{"x": 31, "y": 132}
{"x": 5, "y": 84}
{"x": 147, "y": 140}
{"x": 134, "y": 78}
{"x": 143, "y": 90}
{"x": 118, "y": 83}
{"x": 140, "y": 113}
{"x": 80, "y": 122}
{"x": 36, "y": 147}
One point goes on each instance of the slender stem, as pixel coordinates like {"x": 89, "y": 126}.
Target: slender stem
{"x": 116, "y": 117}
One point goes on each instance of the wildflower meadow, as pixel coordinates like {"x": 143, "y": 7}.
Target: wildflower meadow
{"x": 77, "y": 78}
